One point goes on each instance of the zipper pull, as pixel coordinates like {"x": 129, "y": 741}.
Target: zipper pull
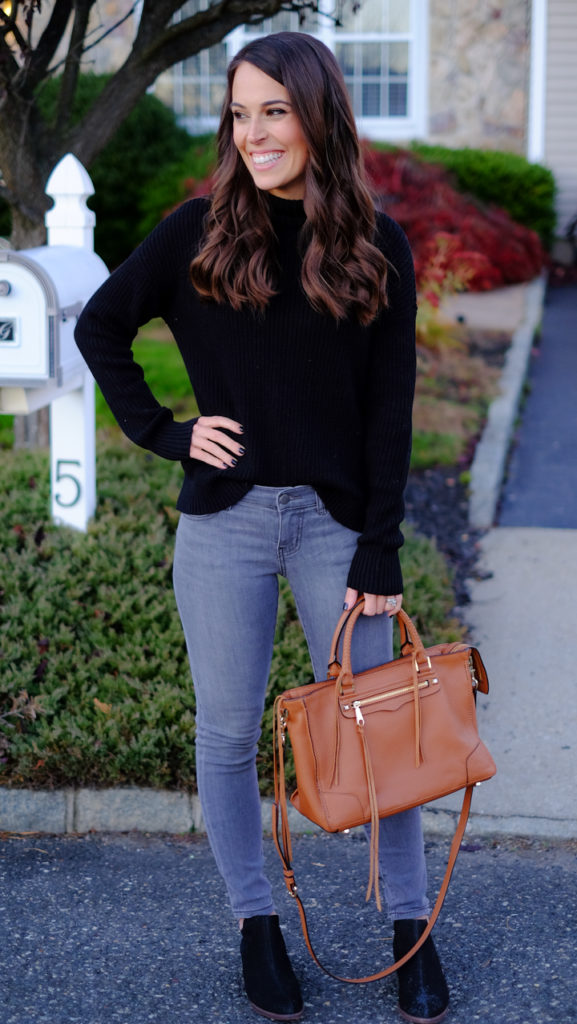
{"x": 358, "y": 712}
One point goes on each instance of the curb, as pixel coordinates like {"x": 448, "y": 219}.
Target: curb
{"x": 490, "y": 459}
{"x": 132, "y": 809}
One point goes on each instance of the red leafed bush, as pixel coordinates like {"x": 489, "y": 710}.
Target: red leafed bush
{"x": 419, "y": 196}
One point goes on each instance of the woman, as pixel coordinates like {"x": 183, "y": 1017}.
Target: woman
{"x": 293, "y": 306}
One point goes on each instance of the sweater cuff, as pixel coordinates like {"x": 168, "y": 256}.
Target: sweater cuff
{"x": 374, "y": 571}
{"x": 172, "y": 440}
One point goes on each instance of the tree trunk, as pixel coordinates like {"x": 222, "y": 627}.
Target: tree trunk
{"x": 32, "y": 431}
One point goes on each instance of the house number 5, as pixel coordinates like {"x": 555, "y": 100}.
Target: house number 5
{"x": 62, "y": 473}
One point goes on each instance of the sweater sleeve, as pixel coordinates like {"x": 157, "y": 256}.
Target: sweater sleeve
{"x": 375, "y": 568}
{"x": 140, "y": 289}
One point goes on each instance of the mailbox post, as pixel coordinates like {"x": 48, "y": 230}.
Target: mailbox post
{"x": 42, "y": 292}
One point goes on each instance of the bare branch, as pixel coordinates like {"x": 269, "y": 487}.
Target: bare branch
{"x": 112, "y": 28}
{"x": 48, "y": 43}
{"x": 72, "y": 64}
{"x": 11, "y": 28}
{"x": 107, "y": 32}
{"x": 8, "y": 64}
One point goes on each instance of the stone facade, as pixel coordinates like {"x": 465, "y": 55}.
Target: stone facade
{"x": 479, "y": 73}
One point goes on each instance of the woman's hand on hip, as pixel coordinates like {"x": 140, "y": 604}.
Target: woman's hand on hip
{"x": 375, "y": 604}
{"x": 210, "y": 444}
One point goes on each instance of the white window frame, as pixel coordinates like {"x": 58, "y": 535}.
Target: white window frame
{"x": 389, "y": 129}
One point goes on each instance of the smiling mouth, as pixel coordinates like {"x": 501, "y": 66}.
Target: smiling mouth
{"x": 265, "y": 160}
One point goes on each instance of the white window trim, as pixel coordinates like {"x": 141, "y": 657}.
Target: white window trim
{"x": 537, "y": 82}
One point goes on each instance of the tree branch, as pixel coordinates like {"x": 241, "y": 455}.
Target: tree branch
{"x": 48, "y": 44}
{"x": 107, "y": 32}
{"x": 112, "y": 28}
{"x": 9, "y": 21}
{"x": 72, "y": 63}
{"x": 9, "y": 66}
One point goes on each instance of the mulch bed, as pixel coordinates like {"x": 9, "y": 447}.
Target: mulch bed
{"x": 436, "y": 504}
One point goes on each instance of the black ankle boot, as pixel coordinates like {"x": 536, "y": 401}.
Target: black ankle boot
{"x": 423, "y": 992}
{"x": 269, "y": 980}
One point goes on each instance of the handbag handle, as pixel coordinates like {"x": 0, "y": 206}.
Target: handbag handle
{"x": 284, "y": 849}
{"x": 344, "y": 630}
{"x": 408, "y": 630}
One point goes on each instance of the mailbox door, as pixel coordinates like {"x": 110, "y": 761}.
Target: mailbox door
{"x": 28, "y": 322}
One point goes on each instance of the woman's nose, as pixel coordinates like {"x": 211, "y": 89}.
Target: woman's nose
{"x": 256, "y": 130}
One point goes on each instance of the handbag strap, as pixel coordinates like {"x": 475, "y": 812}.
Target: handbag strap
{"x": 284, "y": 849}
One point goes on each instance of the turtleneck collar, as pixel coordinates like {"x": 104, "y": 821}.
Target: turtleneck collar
{"x": 287, "y": 210}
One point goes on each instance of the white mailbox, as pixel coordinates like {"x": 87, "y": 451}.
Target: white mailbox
{"x": 42, "y": 292}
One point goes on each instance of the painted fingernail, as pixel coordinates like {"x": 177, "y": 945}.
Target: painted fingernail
{"x": 345, "y": 607}
{"x": 241, "y": 451}
{"x": 233, "y": 462}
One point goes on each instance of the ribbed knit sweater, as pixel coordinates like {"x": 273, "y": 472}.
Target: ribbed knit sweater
{"x": 322, "y": 403}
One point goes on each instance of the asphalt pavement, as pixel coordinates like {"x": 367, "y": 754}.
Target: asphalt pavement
{"x": 100, "y": 927}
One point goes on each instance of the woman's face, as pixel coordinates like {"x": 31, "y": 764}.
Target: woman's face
{"x": 267, "y": 133}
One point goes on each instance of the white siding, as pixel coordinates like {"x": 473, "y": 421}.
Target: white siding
{"x": 561, "y": 105}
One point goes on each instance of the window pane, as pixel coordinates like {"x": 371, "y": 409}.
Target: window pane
{"x": 215, "y": 99}
{"x": 367, "y": 18}
{"x": 371, "y": 99}
{"x": 398, "y": 58}
{"x": 345, "y": 54}
{"x": 399, "y": 16}
{"x": 217, "y": 59}
{"x": 398, "y": 95}
{"x": 371, "y": 59}
{"x": 191, "y": 99}
{"x": 191, "y": 66}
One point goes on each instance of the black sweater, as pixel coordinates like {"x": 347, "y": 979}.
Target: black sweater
{"x": 321, "y": 403}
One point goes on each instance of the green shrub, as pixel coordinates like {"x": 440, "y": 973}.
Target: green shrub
{"x": 178, "y": 181}
{"x": 434, "y": 449}
{"x": 526, "y": 190}
{"x": 90, "y": 631}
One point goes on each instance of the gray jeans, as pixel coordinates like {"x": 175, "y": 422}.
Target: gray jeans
{"x": 226, "y": 571}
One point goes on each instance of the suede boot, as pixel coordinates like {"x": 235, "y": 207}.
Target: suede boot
{"x": 269, "y": 980}
{"x": 423, "y": 992}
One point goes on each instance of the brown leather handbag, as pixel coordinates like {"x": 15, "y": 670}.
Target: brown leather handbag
{"x": 374, "y": 743}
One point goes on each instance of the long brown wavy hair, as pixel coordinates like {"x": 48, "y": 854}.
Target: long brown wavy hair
{"x": 343, "y": 272}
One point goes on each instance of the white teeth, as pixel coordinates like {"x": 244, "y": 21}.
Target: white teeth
{"x": 266, "y": 158}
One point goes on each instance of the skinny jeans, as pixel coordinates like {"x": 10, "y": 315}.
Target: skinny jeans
{"x": 226, "y": 570}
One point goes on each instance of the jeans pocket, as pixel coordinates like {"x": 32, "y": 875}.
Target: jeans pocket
{"x": 205, "y": 516}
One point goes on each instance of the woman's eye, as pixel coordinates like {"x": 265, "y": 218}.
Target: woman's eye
{"x": 277, "y": 110}
{"x": 238, "y": 115}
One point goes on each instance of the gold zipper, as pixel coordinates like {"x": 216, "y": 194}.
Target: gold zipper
{"x": 361, "y": 703}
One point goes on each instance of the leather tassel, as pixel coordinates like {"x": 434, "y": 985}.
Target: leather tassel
{"x": 374, "y": 806}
